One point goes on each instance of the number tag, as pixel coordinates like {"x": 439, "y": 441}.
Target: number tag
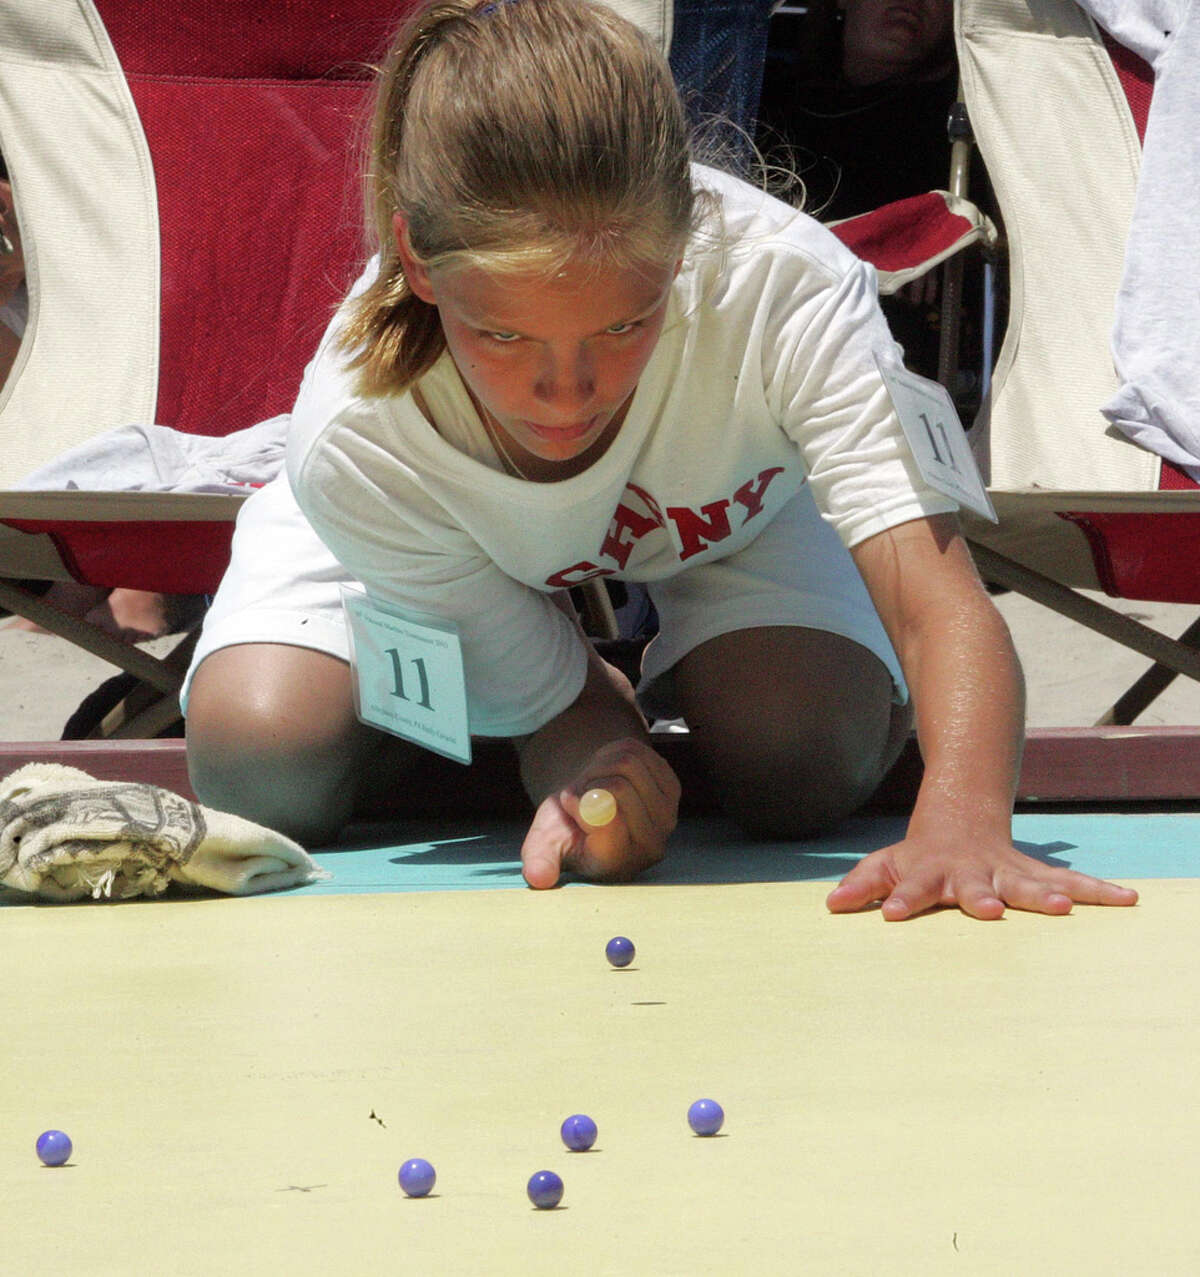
{"x": 408, "y": 676}
{"x": 937, "y": 438}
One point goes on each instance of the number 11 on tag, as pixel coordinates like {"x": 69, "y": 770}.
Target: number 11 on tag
{"x": 935, "y": 435}
{"x": 408, "y": 676}
{"x": 935, "y": 432}
{"x": 418, "y": 664}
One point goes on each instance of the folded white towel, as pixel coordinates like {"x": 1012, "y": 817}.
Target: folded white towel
{"x": 65, "y": 835}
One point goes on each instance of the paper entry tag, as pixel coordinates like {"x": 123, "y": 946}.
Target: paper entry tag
{"x": 408, "y": 676}
{"x": 937, "y": 438}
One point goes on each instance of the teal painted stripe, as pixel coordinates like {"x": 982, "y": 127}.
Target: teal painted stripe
{"x": 470, "y": 855}
{"x": 466, "y": 857}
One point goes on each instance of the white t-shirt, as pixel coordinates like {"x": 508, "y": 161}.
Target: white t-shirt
{"x": 765, "y": 377}
{"x": 1156, "y": 323}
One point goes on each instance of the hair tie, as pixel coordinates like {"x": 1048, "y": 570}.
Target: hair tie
{"x": 491, "y": 8}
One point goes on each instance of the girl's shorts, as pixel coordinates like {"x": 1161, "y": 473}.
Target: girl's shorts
{"x": 283, "y": 586}
{"x": 795, "y": 572}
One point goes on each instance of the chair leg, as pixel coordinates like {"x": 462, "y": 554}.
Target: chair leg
{"x": 1176, "y": 655}
{"x": 91, "y": 638}
{"x": 144, "y": 711}
{"x": 950, "y": 330}
{"x": 153, "y": 704}
{"x": 1141, "y": 694}
{"x": 145, "y": 724}
{"x": 599, "y": 618}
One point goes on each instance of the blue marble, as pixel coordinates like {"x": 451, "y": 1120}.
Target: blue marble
{"x": 54, "y": 1147}
{"x": 579, "y": 1132}
{"x": 545, "y": 1190}
{"x": 706, "y": 1117}
{"x": 417, "y": 1177}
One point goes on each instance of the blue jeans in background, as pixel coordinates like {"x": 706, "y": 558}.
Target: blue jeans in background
{"x": 718, "y": 48}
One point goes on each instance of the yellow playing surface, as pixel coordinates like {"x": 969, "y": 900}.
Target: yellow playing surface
{"x": 243, "y": 1078}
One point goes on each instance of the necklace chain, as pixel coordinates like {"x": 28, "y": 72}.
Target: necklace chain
{"x": 495, "y": 433}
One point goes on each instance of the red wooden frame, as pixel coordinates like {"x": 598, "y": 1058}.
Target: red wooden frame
{"x": 1095, "y": 766}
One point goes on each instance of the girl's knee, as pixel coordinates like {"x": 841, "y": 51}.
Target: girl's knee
{"x": 795, "y": 727}
{"x": 803, "y": 778}
{"x": 799, "y": 794}
{"x": 279, "y": 760}
{"x": 305, "y": 794}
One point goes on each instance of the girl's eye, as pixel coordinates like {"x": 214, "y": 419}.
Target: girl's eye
{"x": 503, "y": 337}
{"x": 619, "y": 330}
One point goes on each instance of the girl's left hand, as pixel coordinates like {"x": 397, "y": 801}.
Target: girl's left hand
{"x": 647, "y": 796}
{"x": 918, "y": 874}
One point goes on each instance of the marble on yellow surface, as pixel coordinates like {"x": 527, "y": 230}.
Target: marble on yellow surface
{"x": 242, "y": 1079}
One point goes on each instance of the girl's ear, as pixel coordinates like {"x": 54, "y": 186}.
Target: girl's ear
{"x": 414, "y": 272}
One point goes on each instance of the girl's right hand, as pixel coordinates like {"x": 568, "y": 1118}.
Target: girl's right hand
{"x": 647, "y": 796}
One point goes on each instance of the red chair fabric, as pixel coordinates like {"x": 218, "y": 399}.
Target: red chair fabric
{"x": 906, "y": 233}
{"x": 176, "y": 557}
{"x": 253, "y": 111}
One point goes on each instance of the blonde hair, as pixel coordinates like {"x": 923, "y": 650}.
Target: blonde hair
{"x": 513, "y": 136}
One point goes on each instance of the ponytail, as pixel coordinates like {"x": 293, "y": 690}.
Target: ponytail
{"x": 392, "y": 335}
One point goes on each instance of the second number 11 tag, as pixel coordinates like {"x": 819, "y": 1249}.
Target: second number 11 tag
{"x": 937, "y": 439}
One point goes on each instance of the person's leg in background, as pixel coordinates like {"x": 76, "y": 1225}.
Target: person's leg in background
{"x": 718, "y": 49}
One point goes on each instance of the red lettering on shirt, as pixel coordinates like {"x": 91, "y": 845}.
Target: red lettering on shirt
{"x": 751, "y": 493}
{"x": 626, "y": 520}
{"x": 576, "y": 575}
{"x": 698, "y": 531}
{"x": 695, "y": 530}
